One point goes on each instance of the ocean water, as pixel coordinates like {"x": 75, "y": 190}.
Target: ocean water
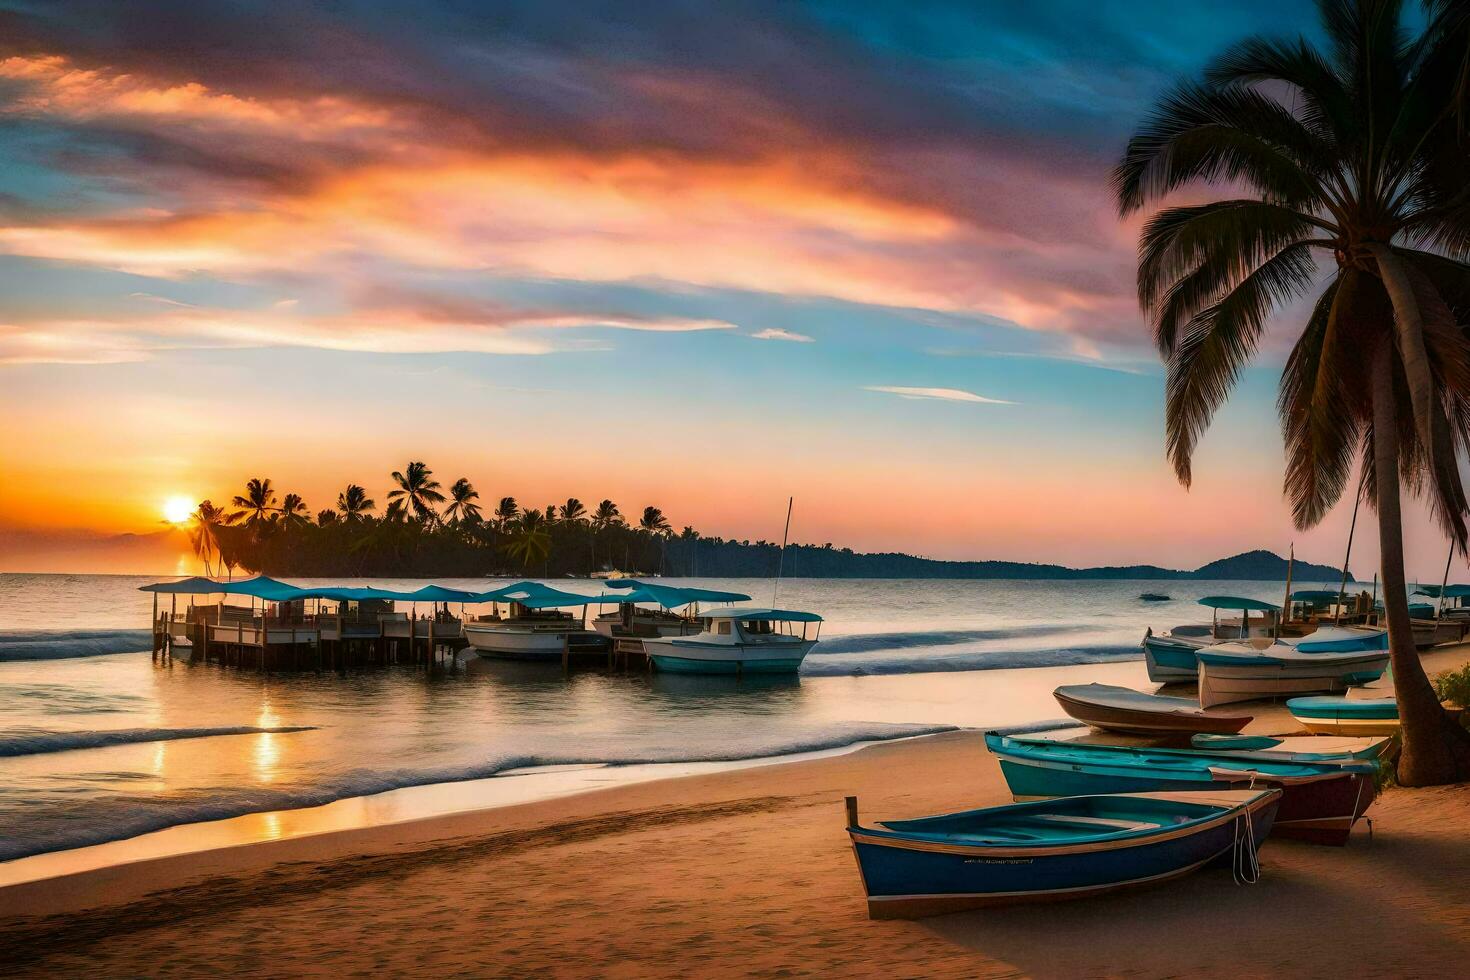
{"x": 97, "y": 743}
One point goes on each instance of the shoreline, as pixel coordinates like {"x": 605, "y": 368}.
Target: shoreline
{"x": 741, "y": 869}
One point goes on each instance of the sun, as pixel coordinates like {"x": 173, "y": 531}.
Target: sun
{"x": 177, "y": 510}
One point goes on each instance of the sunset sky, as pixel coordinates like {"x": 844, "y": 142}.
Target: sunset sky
{"x": 697, "y": 255}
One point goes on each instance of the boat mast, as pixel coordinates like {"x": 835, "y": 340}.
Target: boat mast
{"x": 1286, "y": 603}
{"x": 1444, "y": 582}
{"x": 1342, "y": 589}
{"x": 781, "y": 562}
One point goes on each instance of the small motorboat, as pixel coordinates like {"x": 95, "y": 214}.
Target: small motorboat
{"x": 736, "y": 640}
{"x": 1323, "y": 798}
{"x": 1054, "y": 849}
{"x": 1230, "y": 672}
{"x": 1153, "y": 597}
{"x": 1170, "y": 656}
{"x": 1346, "y": 716}
{"x": 1122, "y": 709}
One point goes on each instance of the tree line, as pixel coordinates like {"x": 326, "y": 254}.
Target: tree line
{"x": 428, "y": 530}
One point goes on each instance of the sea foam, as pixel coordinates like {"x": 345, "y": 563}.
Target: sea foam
{"x": 36, "y": 741}
{"x": 66, "y": 644}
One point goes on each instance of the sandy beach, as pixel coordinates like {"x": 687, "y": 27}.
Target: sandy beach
{"x": 742, "y": 872}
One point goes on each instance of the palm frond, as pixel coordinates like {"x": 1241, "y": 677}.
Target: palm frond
{"x": 1220, "y": 340}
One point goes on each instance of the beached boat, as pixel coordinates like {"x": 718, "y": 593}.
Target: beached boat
{"x": 1294, "y": 748}
{"x": 1346, "y": 716}
{"x": 1230, "y": 672}
{"x": 1122, "y": 709}
{"x": 1170, "y": 656}
{"x": 1054, "y": 849}
{"x": 1322, "y": 799}
{"x": 738, "y": 641}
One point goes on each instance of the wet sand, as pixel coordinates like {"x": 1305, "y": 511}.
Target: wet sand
{"x": 742, "y": 872}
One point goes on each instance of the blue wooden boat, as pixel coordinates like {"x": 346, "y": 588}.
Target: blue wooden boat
{"x": 1346, "y": 716}
{"x": 1230, "y": 672}
{"x": 1324, "y": 797}
{"x": 1054, "y": 849}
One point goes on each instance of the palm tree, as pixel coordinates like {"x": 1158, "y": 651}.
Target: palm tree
{"x": 417, "y": 490}
{"x": 202, "y": 539}
{"x": 572, "y": 512}
{"x": 1351, "y": 153}
{"x": 327, "y": 516}
{"x": 654, "y": 522}
{"x": 606, "y": 515}
{"x": 531, "y": 542}
{"x": 462, "y": 506}
{"x": 256, "y": 504}
{"x": 294, "y": 511}
{"x": 354, "y": 503}
{"x": 506, "y": 511}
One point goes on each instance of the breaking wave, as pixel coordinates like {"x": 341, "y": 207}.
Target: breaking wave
{"x": 36, "y": 741}
{"x": 67, "y": 644}
{"x": 96, "y": 821}
{"x": 928, "y": 660}
{"x": 870, "y": 642}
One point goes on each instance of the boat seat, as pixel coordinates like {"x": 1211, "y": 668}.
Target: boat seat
{"x": 1098, "y": 821}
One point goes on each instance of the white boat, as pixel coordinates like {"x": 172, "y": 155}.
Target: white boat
{"x": 532, "y": 636}
{"x": 1230, "y": 672}
{"x": 644, "y": 622}
{"x": 738, "y": 641}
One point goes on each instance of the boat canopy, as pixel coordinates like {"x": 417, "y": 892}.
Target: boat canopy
{"x": 770, "y": 615}
{"x": 1236, "y": 602}
{"x": 670, "y": 596}
{"x": 260, "y": 587}
{"x": 1450, "y": 591}
{"x": 438, "y": 593}
{"x": 195, "y": 585}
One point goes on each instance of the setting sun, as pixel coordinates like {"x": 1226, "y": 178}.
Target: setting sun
{"x": 176, "y": 510}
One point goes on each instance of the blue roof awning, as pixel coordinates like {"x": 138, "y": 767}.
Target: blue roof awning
{"x": 1238, "y": 602}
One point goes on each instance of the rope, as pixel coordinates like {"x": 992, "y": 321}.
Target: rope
{"x": 1245, "y": 868}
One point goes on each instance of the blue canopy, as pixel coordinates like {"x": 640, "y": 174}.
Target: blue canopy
{"x": 1236, "y": 602}
{"x": 438, "y": 593}
{"x": 670, "y": 596}
{"x": 771, "y": 615}
{"x": 1314, "y": 595}
{"x": 1450, "y": 591}
{"x": 534, "y": 595}
{"x": 195, "y": 585}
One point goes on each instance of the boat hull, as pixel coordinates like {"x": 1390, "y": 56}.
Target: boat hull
{"x": 907, "y": 878}
{"x": 1225, "y": 679}
{"x": 690, "y": 657}
{"x": 1170, "y": 661}
{"x": 535, "y": 645}
{"x": 1142, "y": 722}
{"x": 1320, "y": 811}
{"x": 1340, "y": 716}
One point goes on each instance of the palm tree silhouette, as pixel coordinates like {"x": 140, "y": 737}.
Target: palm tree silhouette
{"x": 606, "y": 515}
{"x": 294, "y": 511}
{"x": 354, "y": 503}
{"x": 654, "y": 522}
{"x": 256, "y": 504}
{"x": 417, "y": 491}
{"x": 202, "y": 524}
{"x": 506, "y": 511}
{"x": 1353, "y": 153}
{"x": 572, "y": 512}
{"x": 462, "y": 506}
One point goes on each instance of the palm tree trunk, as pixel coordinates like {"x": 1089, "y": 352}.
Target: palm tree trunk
{"x": 1433, "y": 752}
{"x": 1409, "y": 326}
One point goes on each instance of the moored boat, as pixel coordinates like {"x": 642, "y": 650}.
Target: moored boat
{"x": 1230, "y": 672}
{"x": 1122, "y": 709}
{"x": 1346, "y": 716}
{"x": 536, "y": 628}
{"x": 1054, "y": 849}
{"x": 738, "y": 641}
{"x": 1322, "y": 799}
{"x": 1170, "y": 656}
{"x": 646, "y": 609}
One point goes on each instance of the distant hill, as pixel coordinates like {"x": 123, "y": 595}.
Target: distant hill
{"x": 735, "y": 559}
